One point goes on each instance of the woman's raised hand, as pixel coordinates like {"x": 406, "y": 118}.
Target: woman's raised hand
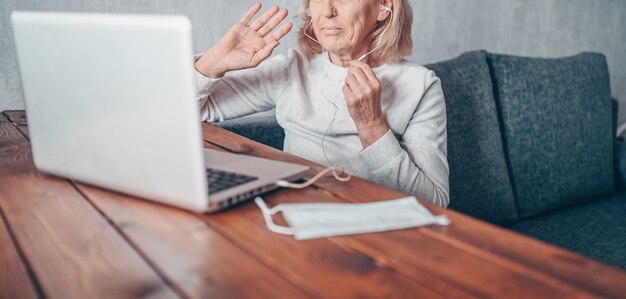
{"x": 245, "y": 45}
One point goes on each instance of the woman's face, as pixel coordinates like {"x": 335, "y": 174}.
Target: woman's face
{"x": 343, "y": 27}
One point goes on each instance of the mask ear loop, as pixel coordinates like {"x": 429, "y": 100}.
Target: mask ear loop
{"x": 267, "y": 215}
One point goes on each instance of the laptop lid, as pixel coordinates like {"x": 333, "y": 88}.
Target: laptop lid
{"x": 110, "y": 101}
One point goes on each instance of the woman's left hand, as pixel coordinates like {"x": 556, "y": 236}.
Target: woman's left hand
{"x": 362, "y": 94}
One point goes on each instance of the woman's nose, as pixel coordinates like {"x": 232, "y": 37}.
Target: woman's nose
{"x": 328, "y": 8}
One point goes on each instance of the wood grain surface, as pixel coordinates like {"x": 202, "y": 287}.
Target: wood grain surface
{"x": 550, "y": 270}
{"x": 198, "y": 261}
{"x": 15, "y": 281}
{"x": 72, "y": 251}
{"x": 17, "y": 117}
{"x": 14, "y": 274}
{"x": 64, "y": 239}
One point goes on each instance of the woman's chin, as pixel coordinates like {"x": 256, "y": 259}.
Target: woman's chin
{"x": 336, "y": 49}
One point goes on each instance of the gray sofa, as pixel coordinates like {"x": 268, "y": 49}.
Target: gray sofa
{"x": 531, "y": 147}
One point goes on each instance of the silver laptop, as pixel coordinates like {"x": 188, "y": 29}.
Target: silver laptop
{"x": 110, "y": 101}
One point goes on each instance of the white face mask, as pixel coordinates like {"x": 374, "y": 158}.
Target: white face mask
{"x": 316, "y": 220}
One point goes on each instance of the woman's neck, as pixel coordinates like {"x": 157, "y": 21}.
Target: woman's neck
{"x": 343, "y": 59}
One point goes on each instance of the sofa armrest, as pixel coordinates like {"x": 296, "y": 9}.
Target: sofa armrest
{"x": 620, "y": 162}
{"x": 261, "y": 127}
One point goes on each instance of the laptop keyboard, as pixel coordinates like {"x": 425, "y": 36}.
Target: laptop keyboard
{"x": 220, "y": 180}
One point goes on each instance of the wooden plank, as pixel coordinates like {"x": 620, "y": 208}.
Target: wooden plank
{"x": 11, "y": 141}
{"x": 320, "y": 265}
{"x": 249, "y": 219}
{"x": 24, "y": 130}
{"x": 17, "y": 117}
{"x": 14, "y": 278}
{"x": 72, "y": 251}
{"x": 553, "y": 266}
{"x": 432, "y": 284}
{"x": 523, "y": 250}
{"x": 376, "y": 250}
{"x": 203, "y": 266}
{"x": 199, "y": 261}
{"x": 162, "y": 258}
{"x": 473, "y": 240}
{"x": 485, "y": 275}
{"x": 419, "y": 257}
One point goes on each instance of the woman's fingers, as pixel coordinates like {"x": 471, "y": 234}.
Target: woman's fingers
{"x": 264, "y": 53}
{"x": 359, "y": 75}
{"x": 366, "y": 69}
{"x": 273, "y": 22}
{"x": 347, "y": 92}
{"x": 271, "y": 42}
{"x": 351, "y": 82}
{"x": 364, "y": 82}
{"x": 264, "y": 18}
{"x": 278, "y": 34}
{"x": 257, "y": 36}
{"x": 354, "y": 87}
{"x": 251, "y": 12}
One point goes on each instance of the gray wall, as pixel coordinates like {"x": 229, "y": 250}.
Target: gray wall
{"x": 442, "y": 29}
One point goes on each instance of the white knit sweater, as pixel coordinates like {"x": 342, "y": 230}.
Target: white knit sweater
{"x": 411, "y": 157}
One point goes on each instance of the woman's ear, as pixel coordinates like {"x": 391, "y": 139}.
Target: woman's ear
{"x": 385, "y": 10}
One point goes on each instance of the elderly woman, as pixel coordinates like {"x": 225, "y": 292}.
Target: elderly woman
{"x": 345, "y": 97}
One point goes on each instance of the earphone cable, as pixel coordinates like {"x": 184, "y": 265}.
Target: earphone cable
{"x": 337, "y": 171}
{"x": 333, "y": 168}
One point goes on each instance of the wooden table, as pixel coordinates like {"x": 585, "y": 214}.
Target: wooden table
{"x": 63, "y": 239}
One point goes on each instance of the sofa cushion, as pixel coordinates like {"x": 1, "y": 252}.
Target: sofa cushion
{"x": 596, "y": 230}
{"x": 556, "y": 123}
{"x": 261, "y": 127}
{"x": 479, "y": 181}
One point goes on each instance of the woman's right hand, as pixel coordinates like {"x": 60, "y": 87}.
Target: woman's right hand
{"x": 245, "y": 46}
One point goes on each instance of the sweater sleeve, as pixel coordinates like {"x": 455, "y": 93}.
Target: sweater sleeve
{"x": 242, "y": 92}
{"x": 417, "y": 163}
